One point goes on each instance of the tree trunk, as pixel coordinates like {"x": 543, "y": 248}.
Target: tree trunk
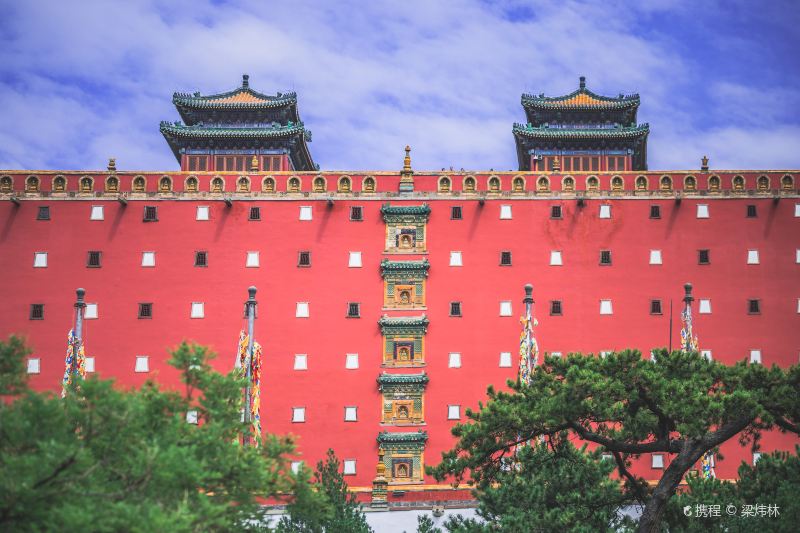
{"x": 650, "y": 522}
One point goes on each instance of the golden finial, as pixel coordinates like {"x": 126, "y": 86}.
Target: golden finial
{"x": 254, "y": 164}
{"x": 381, "y": 467}
{"x": 407, "y": 160}
{"x": 704, "y": 163}
{"x": 556, "y": 164}
{"x": 112, "y": 164}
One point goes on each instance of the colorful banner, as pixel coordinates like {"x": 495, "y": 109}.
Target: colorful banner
{"x": 74, "y": 353}
{"x": 255, "y": 380}
{"x": 528, "y": 349}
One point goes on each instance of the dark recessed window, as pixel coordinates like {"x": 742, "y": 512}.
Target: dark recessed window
{"x": 353, "y": 310}
{"x": 655, "y": 211}
{"x": 455, "y": 212}
{"x": 150, "y": 213}
{"x": 356, "y": 213}
{"x": 703, "y": 257}
{"x": 655, "y": 307}
{"x": 43, "y": 213}
{"x": 37, "y": 311}
{"x": 555, "y": 211}
{"x": 556, "y": 308}
{"x": 455, "y": 308}
{"x": 255, "y": 213}
{"x": 505, "y": 258}
{"x": 146, "y": 310}
{"x": 93, "y": 260}
{"x": 605, "y": 257}
{"x": 754, "y": 307}
{"x": 751, "y": 211}
{"x": 304, "y": 259}
{"x": 201, "y": 259}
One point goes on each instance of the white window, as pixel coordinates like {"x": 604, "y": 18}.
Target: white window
{"x": 90, "y": 312}
{"x": 705, "y": 307}
{"x": 555, "y": 258}
{"x": 453, "y": 412}
{"x": 198, "y": 310}
{"x": 756, "y": 457}
{"x": 655, "y": 257}
{"x": 797, "y": 210}
{"x": 606, "y": 457}
{"x": 798, "y": 305}
{"x": 350, "y": 414}
{"x": 40, "y": 260}
{"x": 301, "y": 311}
{"x": 142, "y": 363}
{"x": 298, "y": 414}
{"x": 305, "y": 212}
{"x": 300, "y": 361}
{"x": 349, "y": 468}
{"x": 605, "y": 307}
{"x": 707, "y": 354}
{"x": 354, "y": 261}
{"x": 752, "y": 257}
{"x": 97, "y": 213}
{"x": 702, "y": 210}
{"x": 252, "y": 260}
{"x": 555, "y": 354}
{"x": 148, "y": 259}
{"x": 454, "y": 361}
{"x": 89, "y": 364}
{"x": 296, "y": 466}
{"x": 34, "y": 365}
{"x": 605, "y": 354}
{"x": 657, "y": 460}
{"x": 505, "y": 308}
{"x": 505, "y": 359}
{"x": 455, "y": 259}
{"x": 191, "y": 416}
{"x": 797, "y": 256}
{"x": 755, "y": 356}
{"x": 351, "y": 361}
{"x": 605, "y": 211}
{"x": 202, "y": 212}
{"x": 505, "y": 212}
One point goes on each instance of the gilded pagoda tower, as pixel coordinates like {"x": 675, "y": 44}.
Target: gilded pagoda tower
{"x": 581, "y": 132}
{"x": 239, "y": 131}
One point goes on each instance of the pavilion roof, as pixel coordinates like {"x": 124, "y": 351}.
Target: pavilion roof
{"x": 240, "y": 98}
{"x": 544, "y": 132}
{"x": 581, "y": 99}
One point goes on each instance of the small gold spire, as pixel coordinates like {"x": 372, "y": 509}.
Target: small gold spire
{"x": 556, "y": 164}
{"x": 407, "y": 160}
{"x": 112, "y": 164}
{"x": 407, "y": 175}
{"x": 381, "y": 467}
{"x": 254, "y": 164}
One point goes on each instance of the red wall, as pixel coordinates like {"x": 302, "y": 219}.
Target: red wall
{"x": 480, "y": 335}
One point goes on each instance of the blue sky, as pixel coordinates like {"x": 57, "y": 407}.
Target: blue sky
{"x": 84, "y": 81}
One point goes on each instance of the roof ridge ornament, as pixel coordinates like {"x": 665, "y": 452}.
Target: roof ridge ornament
{"x": 582, "y": 81}
{"x": 245, "y": 81}
{"x": 407, "y": 175}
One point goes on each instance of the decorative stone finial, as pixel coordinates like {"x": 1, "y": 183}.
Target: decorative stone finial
{"x": 112, "y": 164}
{"x": 80, "y": 293}
{"x": 407, "y": 175}
{"x": 245, "y": 81}
{"x": 688, "y": 298}
{"x": 254, "y": 164}
{"x": 704, "y": 164}
{"x": 583, "y": 82}
{"x": 528, "y": 294}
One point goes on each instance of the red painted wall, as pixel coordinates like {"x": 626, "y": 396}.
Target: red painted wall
{"x": 480, "y": 335}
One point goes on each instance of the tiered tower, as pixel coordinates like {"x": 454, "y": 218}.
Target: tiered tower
{"x": 239, "y": 131}
{"x": 581, "y": 132}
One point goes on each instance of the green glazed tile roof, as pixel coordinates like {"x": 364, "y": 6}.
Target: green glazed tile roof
{"x": 533, "y": 132}
{"x": 416, "y": 436}
{"x": 175, "y": 129}
{"x": 582, "y": 99}
{"x": 242, "y": 97}
{"x": 403, "y": 266}
{"x": 421, "y": 378}
{"x": 403, "y": 321}
{"x": 423, "y": 209}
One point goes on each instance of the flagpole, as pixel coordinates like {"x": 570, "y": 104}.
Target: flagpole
{"x": 80, "y": 305}
{"x": 250, "y": 305}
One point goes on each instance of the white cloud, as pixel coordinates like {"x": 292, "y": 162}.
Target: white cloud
{"x": 84, "y": 82}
